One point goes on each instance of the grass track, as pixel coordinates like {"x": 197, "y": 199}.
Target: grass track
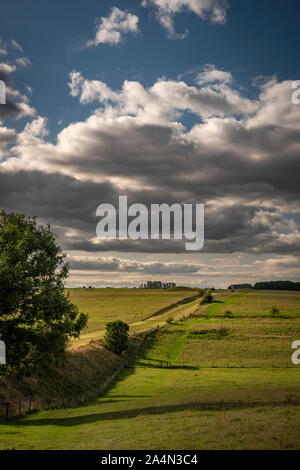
{"x": 129, "y": 305}
{"x": 177, "y": 311}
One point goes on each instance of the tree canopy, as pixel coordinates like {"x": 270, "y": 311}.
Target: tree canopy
{"x": 116, "y": 336}
{"x": 277, "y": 285}
{"x": 37, "y": 318}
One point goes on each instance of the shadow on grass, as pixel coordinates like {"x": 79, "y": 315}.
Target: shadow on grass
{"x": 147, "y": 411}
{"x": 255, "y": 316}
{"x": 125, "y": 372}
{"x": 157, "y": 366}
{"x": 184, "y": 367}
{"x": 126, "y": 396}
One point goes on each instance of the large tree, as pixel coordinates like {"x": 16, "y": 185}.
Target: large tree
{"x": 36, "y": 317}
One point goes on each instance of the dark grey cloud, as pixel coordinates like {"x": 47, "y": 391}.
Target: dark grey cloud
{"x": 70, "y": 206}
{"x": 58, "y": 199}
{"x": 17, "y": 104}
{"x": 119, "y": 265}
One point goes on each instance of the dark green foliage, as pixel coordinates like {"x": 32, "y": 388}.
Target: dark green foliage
{"x": 228, "y": 314}
{"x": 277, "y": 285}
{"x": 207, "y": 299}
{"x": 213, "y": 333}
{"x": 275, "y": 311}
{"x": 36, "y": 317}
{"x": 116, "y": 336}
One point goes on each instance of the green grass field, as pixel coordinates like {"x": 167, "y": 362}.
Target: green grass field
{"x": 231, "y": 386}
{"x": 259, "y": 303}
{"x": 129, "y": 305}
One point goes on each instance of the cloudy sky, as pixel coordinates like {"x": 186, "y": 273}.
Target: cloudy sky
{"x": 185, "y": 101}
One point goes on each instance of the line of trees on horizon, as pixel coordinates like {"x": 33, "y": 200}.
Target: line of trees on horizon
{"x": 277, "y": 285}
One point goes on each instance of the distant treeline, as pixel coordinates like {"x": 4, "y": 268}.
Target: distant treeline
{"x": 277, "y": 285}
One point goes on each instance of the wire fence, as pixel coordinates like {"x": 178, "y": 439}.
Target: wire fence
{"x": 18, "y": 407}
{"x": 21, "y": 406}
{"x": 159, "y": 363}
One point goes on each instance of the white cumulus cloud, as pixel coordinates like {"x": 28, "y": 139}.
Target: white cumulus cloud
{"x": 213, "y": 10}
{"x": 112, "y": 29}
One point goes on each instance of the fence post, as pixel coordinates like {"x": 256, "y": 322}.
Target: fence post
{"x": 20, "y": 407}
{"x": 7, "y": 410}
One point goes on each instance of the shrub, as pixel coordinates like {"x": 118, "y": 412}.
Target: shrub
{"x": 228, "y": 314}
{"x": 170, "y": 320}
{"x": 207, "y": 299}
{"x": 275, "y": 311}
{"x": 116, "y": 336}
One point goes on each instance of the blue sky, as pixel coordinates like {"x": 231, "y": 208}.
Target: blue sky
{"x": 238, "y": 148}
{"x": 259, "y": 38}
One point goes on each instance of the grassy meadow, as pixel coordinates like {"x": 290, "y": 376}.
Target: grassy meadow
{"x": 128, "y": 305}
{"x": 231, "y": 385}
{"x": 258, "y": 304}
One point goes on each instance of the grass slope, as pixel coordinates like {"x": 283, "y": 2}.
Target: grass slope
{"x": 129, "y": 305}
{"x": 83, "y": 372}
{"x": 258, "y": 303}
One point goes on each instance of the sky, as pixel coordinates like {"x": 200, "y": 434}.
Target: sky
{"x": 164, "y": 101}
